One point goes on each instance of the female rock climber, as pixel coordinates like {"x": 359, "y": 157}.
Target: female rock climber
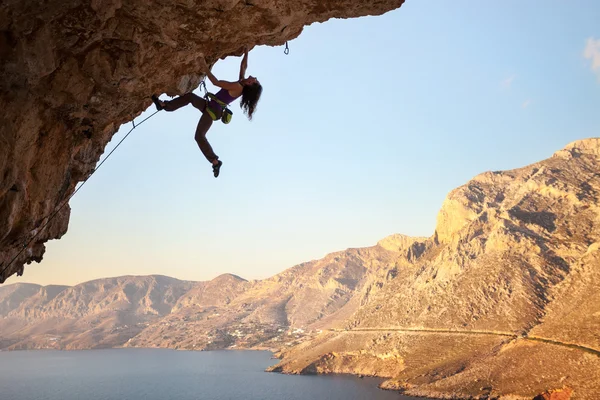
{"x": 248, "y": 88}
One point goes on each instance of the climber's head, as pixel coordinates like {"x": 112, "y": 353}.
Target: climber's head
{"x": 250, "y": 95}
{"x": 249, "y": 81}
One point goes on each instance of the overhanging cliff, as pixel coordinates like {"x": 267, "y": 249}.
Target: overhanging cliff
{"x": 71, "y": 72}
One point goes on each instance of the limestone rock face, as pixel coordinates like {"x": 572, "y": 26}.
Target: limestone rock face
{"x": 503, "y": 300}
{"x": 71, "y": 72}
{"x": 555, "y": 394}
{"x": 229, "y": 311}
{"x": 157, "y": 311}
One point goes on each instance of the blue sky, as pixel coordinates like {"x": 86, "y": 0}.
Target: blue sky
{"x": 362, "y": 131}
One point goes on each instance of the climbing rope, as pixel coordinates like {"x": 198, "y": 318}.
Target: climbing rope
{"x": 52, "y": 215}
{"x": 286, "y": 51}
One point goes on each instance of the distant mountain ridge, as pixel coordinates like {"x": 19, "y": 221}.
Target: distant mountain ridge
{"x": 159, "y": 311}
{"x": 502, "y": 301}
{"x": 98, "y": 313}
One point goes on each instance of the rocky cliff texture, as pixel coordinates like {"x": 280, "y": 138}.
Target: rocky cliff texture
{"x": 157, "y": 311}
{"x": 277, "y": 312}
{"x": 71, "y": 72}
{"x": 502, "y": 300}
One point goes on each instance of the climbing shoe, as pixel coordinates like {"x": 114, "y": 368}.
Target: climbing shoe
{"x": 156, "y": 102}
{"x": 217, "y": 167}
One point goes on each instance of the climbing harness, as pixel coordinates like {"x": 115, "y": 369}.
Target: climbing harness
{"x": 226, "y": 113}
{"x": 286, "y": 51}
{"x": 53, "y": 214}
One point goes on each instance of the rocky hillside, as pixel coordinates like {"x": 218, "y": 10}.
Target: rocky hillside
{"x": 157, "y": 311}
{"x": 502, "y": 299}
{"x": 72, "y": 72}
{"x": 95, "y": 314}
{"x": 280, "y": 311}
{"x": 500, "y": 302}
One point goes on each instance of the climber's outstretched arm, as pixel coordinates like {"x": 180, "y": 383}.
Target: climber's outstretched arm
{"x": 244, "y": 64}
{"x": 222, "y": 84}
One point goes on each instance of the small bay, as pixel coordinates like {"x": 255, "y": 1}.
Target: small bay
{"x": 159, "y": 374}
